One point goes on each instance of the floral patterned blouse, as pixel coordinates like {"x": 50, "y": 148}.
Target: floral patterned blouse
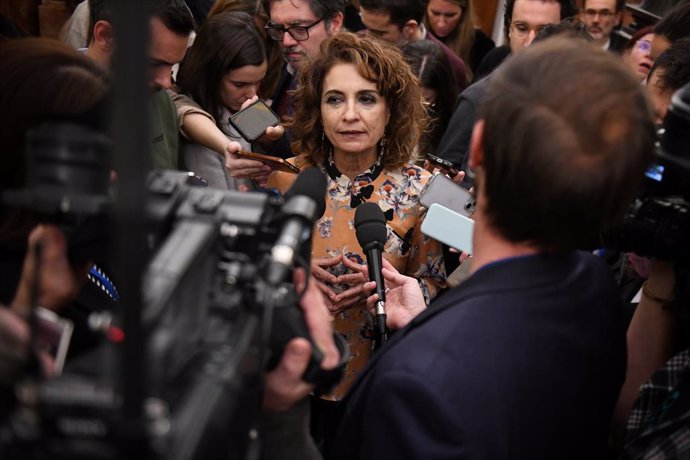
{"x": 407, "y": 249}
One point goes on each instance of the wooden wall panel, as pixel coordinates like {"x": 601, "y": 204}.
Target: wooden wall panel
{"x": 36, "y": 17}
{"x": 52, "y": 14}
{"x": 485, "y": 14}
{"x": 24, "y": 13}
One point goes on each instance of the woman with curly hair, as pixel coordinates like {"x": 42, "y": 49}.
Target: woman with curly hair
{"x": 358, "y": 116}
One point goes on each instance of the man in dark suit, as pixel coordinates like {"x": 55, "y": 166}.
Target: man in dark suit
{"x": 525, "y": 359}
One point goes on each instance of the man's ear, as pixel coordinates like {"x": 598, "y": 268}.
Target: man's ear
{"x": 476, "y": 158}
{"x": 336, "y": 23}
{"x": 103, "y": 35}
{"x": 409, "y": 30}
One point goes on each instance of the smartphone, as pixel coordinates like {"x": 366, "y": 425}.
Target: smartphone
{"x": 447, "y": 193}
{"x": 252, "y": 121}
{"x": 441, "y": 163}
{"x": 277, "y": 163}
{"x": 449, "y": 227}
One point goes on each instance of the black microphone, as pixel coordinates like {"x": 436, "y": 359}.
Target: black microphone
{"x": 304, "y": 203}
{"x": 370, "y": 228}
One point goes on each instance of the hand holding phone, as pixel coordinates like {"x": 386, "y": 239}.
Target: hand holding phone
{"x": 276, "y": 163}
{"x": 442, "y": 164}
{"x": 252, "y": 121}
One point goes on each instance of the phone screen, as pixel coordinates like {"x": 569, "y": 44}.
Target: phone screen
{"x": 252, "y": 121}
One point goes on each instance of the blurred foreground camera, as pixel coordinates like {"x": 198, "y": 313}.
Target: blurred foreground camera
{"x": 219, "y": 307}
{"x": 657, "y": 224}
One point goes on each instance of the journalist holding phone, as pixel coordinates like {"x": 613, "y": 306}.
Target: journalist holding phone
{"x": 222, "y": 72}
{"x": 357, "y": 117}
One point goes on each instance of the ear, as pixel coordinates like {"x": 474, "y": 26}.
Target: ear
{"x": 103, "y": 34}
{"x": 476, "y": 158}
{"x": 409, "y": 30}
{"x": 336, "y": 23}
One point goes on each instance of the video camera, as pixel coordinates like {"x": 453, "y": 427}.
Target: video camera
{"x": 657, "y": 223}
{"x": 219, "y": 307}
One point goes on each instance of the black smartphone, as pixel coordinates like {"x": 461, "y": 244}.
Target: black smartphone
{"x": 441, "y": 163}
{"x": 252, "y": 121}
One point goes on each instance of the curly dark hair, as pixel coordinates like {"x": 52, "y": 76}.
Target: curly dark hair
{"x": 377, "y": 62}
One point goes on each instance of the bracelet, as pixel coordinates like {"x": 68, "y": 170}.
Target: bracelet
{"x": 666, "y": 304}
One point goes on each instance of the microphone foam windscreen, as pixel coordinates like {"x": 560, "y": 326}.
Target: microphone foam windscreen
{"x": 370, "y": 224}
{"x": 310, "y": 183}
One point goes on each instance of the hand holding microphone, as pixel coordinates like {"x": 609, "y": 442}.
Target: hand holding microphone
{"x": 404, "y": 298}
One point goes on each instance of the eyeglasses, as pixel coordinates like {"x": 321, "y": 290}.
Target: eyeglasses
{"x": 521, "y": 29}
{"x": 603, "y": 14}
{"x": 644, "y": 45}
{"x": 299, "y": 33}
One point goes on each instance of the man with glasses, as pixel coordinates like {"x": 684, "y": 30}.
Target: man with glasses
{"x": 300, "y": 26}
{"x": 602, "y": 17}
{"x": 522, "y": 21}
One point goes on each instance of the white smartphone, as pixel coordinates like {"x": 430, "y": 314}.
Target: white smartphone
{"x": 442, "y": 190}
{"x": 449, "y": 227}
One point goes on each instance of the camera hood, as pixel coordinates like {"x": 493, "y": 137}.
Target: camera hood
{"x": 674, "y": 147}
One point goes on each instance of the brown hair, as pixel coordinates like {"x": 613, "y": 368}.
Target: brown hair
{"x": 562, "y": 160}
{"x": 461, "y": 38}
{"x": 377, "y": 62}
{"x": 630, "y": 44}
{"x": 226, "y": 41}
{"x": 41, "y": 78}
{"x": 274, "y": 59}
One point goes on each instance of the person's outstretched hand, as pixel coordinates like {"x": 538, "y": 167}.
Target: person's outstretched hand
{"x": 404, "y": 298}
{"x": 58, "y": 282}
{"x": 245, "y": 168}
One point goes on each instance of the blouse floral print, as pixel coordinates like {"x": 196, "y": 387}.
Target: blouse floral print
{"x": 412, "y": 253}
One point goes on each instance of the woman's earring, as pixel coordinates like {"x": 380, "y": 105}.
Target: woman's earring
{"x": 383, "y": 144}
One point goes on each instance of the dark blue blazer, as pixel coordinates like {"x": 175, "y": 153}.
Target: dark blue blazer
{"x": 523, "y": 361}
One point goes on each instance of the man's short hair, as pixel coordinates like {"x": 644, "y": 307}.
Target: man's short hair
{"x": 400, "y": 11}
{"x": 568, "y": 9}
{"x": 325, "y": 9}
{"x": 620, "y": 4}
{"x": 99, "y": 10}
{"x": 569, "y": 27}
{"x": 173, "y": 13}
{"x": 675, "y": 24}
{"x": 559, "y": 169}
{"x": 672, "y": 67}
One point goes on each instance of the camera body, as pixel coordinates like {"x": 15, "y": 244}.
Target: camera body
{"x": 204, "y": 317}
{"x": 657, "y": 223}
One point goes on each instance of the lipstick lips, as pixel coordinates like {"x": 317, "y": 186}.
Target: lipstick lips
{"x": 350, "y": 133}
